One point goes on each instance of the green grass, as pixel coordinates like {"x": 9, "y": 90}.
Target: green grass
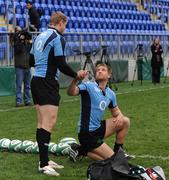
{"x": 146, "y": 105}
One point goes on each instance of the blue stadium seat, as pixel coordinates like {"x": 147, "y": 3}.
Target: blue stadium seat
{"x": 76, "y": 24}
{"x": 4, "y": 29}
{"x": 44, "y": 6}
{"x": 21, "y": 22}
{"x": 83, "y": 13}
{"x": 37, "y": 5}
{"x": 46, "y": 11}
{"x": 49, "y": 2}
{"x": 43, "y": 23}
{"x": 86, "y": 47}
{"x": 47, "y": 17}
{"x": 55, "y": 2}
{"x": 3, "y": 9}
{"x": 52, "y": 10}
{"x": 23, "y": 4}
{"x": 71, "y": 13}
{"x": 18, "y": 9}
{"x": 98, "y": 4}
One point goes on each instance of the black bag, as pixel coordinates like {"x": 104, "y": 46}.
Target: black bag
{"x": 113, "y": 168}
{"x": 117, "y": 168}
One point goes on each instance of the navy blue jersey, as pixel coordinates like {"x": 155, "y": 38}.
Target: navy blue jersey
{"x": 94, "y": 101}
{"x": 48, "y": 46}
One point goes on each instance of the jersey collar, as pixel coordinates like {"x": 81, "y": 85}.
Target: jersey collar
{"x": 55, "y": 30}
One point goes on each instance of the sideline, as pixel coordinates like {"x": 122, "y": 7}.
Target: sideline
{"x": 145, "y": 156}
{"x": 15, "y": 108}
{"x": 77, "y": 99}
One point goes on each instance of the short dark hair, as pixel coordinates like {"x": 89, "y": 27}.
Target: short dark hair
{"x": 29, "y": 2}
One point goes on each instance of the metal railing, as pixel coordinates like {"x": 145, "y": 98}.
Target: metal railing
{"x": 120, "y": 46}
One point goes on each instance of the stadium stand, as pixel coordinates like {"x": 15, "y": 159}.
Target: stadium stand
{"x": 160, "y": 8}
{"x": 96, "y": 16}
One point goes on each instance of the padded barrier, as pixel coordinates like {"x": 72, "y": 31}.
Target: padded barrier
{"x": 7, "y": 81}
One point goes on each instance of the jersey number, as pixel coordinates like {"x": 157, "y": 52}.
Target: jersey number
{"x": 39, "y": 46}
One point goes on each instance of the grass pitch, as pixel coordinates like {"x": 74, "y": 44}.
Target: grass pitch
{"x": 146, "y": 105}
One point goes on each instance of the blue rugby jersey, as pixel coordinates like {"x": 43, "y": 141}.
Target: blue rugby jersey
{"x": 47, "y": 47}
{"x": 94, "y": 101}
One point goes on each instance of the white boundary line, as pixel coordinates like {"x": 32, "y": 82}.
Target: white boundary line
{"x": 144, "y": 156}
{"x": 142, "y": 90}
{"x": 15, "y": 109}
{"x": 76, "y": 99}
{"x": 127, "y": 92}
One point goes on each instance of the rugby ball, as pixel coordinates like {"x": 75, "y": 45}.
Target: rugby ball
{"x": 15, "y": 145}
{"x": 68, "y": 140}
{"x": 52, "y": 147}
{"x": 4, "y": 144}
{"x": 26, "y": 146}
{"x": 60, "y": 148}
{"x": 66, "y": 151}
{"x": 35, "y": 148}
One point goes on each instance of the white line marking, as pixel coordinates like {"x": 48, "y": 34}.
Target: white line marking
{"x": 77, "y": 99}
{"x": 153, "y": 157}
{"x": 127, "y": 92}
{"x": 14, "y": 109}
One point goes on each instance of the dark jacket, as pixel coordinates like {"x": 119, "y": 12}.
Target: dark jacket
{"x": 156, "y": 60}
{"x": 34, "y": 17}
{"x": 21, "y": 51}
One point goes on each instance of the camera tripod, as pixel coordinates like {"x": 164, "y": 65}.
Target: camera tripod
{"x": 105, "y": 59}
{"x": 89, "y": 62}
{"x": 166, "y": 73}
{"x": 139, "y": 62}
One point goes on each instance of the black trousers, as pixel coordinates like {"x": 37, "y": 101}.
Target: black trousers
{"x": 156, "y": 74}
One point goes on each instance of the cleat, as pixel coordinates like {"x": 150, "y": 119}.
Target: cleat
{"x": 54, "y": 165}
{"x": 73, "y": 152}
{"x": 48, "y": 170}
{"x": 129, "y": 156}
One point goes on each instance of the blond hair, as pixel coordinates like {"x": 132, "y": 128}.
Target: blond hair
{"x": 57, "y": 17}
{"x": 104, "y": 65}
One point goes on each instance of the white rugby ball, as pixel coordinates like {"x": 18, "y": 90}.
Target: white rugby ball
{"x": 52, "y": 147}
{"x": 66, "y": 151}
{"x": 4, "y": 143}
{"x": 68, "y": 140}
{"x": 26, "y": 146}
{"x": 61, "y": 147}
{"x": 15, "y": 145}
{"x": 35, "y": 148}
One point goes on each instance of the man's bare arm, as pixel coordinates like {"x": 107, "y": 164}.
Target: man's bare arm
{"x": 73, "y": 89}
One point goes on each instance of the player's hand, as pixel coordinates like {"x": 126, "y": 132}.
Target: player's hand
{"x": 119, "y": 121}
{"x": 81, "y": 74}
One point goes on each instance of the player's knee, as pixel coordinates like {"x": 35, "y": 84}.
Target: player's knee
{"x": 49, "y": 123}
{"x": 126, "y": 122}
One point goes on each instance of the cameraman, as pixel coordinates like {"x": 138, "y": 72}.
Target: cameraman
{"x": 156, "y": 60}
{"x": 21, "y": 41}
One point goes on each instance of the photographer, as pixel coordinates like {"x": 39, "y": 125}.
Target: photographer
{"x": 156, "y": 61}
{"x": 21, "y": 41}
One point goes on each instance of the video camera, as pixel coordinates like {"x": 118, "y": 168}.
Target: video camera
{"x": 24, "y": 36}
{"x": 140, "y": 52}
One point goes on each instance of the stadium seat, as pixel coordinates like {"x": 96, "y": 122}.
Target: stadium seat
{"x": 44, "y": 6}
{"x": 3, "y": 9}
{"x": 18, "y": 9}
{"x": 46, "y": 11}
{"x": 55, "y": 2}
{"x": 43, "y": 23}
{"x": 21, "y": 22}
